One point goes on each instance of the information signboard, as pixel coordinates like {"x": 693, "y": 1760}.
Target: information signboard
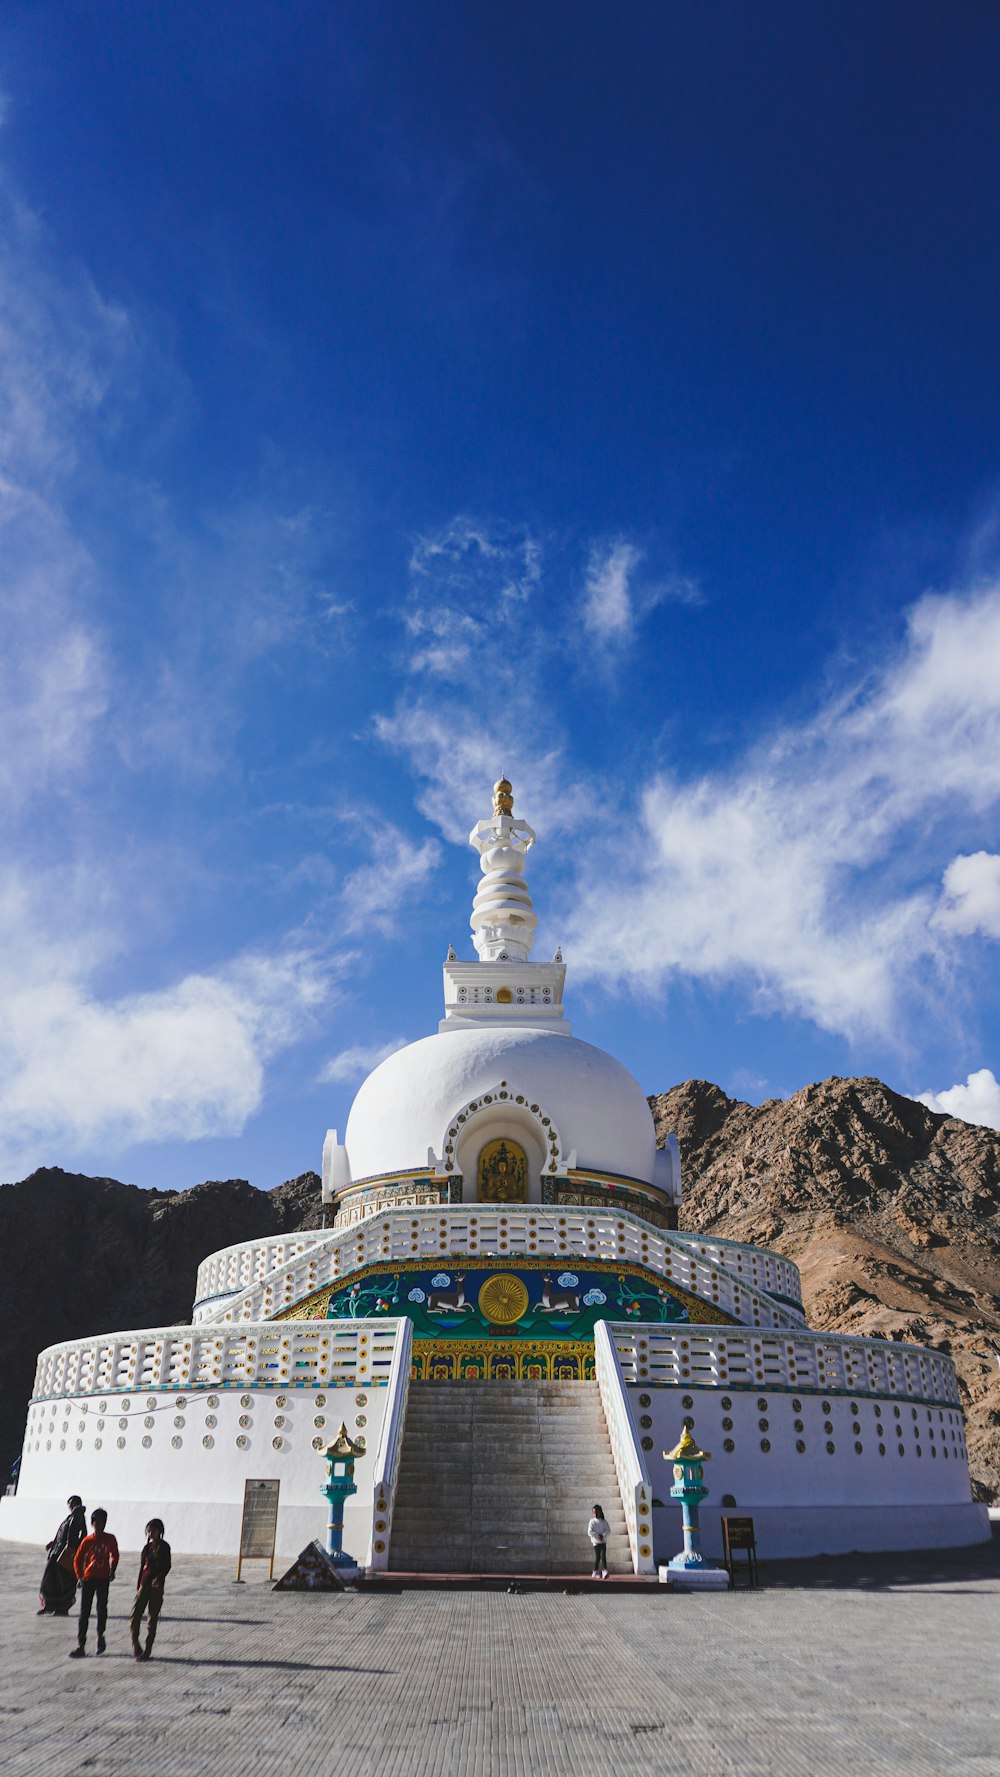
{"x": 738, "y": 1533}
{"x": 260, "y": 1524}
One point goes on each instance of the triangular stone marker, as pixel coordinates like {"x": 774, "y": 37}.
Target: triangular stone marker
{"x": 315, "y": 1571}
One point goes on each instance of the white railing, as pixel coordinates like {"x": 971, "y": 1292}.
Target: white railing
{"x": 390, "y": 1446}
{"x": 235, "y": 1268}
{"x": 754, "y": 1265}
{"x": 633, "y": 1481}
{"x": 505, "y": 1230}
{"x": 308, "y": 1354}
{"x": 824, "y": 1363}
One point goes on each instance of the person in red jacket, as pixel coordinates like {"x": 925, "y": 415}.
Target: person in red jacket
{"x": 95, "y": 1564}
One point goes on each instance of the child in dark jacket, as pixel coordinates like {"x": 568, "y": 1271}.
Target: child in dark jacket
{"x": 94, "y": 1564}
{"x": 154, "y": 1565}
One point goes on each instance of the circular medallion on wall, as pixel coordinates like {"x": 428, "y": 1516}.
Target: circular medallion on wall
{"x": 503, "y": 1298}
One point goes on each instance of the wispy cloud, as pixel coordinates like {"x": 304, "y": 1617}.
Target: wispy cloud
{"x": 608, "y": 611}
{"x": 357, "y": 1061}
{"x": 376, "y": 896}
{"x": 91, "y": 711}
{"x": 978, "y": 1101}
{"x": 802, "y": 873}
{"x": 60, "y": 350}
{"x": 618, "y": 596}
{"x": 469, "y": 584}
{"x": 83, "y": 1072}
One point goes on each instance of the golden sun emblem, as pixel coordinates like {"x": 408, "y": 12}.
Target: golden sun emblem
{"x": 503, "y": 1298}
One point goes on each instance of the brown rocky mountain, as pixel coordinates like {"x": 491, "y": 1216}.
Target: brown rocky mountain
{"x": 891, "y": 1212}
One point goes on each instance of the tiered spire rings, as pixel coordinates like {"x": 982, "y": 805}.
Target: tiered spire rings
{"x": 503, "y": 918}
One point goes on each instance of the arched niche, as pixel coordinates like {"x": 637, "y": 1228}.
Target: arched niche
{"x": 493, "y": 1123}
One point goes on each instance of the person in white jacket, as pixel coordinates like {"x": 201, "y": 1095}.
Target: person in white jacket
{"x": 598, "y": 1531}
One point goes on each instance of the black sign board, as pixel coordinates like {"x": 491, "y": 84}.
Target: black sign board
{"x": 738, "y": 1533}
{"x": 260, "y": 1524}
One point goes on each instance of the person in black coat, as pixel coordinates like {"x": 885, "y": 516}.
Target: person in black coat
{"x": 154, "y": 1565}
{"x": 58, "y": 1588}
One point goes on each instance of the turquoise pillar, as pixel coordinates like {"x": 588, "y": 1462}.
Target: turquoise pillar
{"x": 689, "y": 1567}
{"x": 340, "y": 1484}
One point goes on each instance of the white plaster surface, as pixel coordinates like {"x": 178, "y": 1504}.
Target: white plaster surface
{"x": 814, "y": 1502}
{"x": 196, "y": 1489}
{"x": 405, "y": 1107}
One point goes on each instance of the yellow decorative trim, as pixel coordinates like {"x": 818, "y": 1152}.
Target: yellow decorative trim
{"x": 486, "y": 1360}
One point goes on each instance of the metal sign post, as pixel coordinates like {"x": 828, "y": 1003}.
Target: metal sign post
{"x": 260, "y": 1524}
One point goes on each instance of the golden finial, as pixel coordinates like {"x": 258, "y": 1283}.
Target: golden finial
{"x": 686, "y": 1451}
{"x": 503, "y": 797}
{"x": 343, "y": 1445}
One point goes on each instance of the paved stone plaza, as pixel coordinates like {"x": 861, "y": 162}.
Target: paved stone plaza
{"x": 889, "y": 1664}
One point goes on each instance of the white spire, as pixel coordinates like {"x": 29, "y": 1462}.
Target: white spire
{"x": 502, "y": 987}
{"x": 503, "y": 919}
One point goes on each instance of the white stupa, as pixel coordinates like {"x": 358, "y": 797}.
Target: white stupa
{"x": 508, "y": 1321}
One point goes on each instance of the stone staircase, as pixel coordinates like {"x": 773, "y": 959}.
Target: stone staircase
{"x": 500, "y": 1477}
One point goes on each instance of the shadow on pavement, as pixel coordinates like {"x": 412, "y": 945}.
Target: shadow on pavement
{"x": 886, "y": 1573}
{"x": 271, "y": 1665}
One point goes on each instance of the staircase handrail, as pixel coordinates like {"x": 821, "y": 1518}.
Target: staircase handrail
{"x": 390, "y": 1448}
{"x": 630, "y": 1467}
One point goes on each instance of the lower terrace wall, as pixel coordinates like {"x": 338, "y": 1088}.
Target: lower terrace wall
{"x": 260, "y": 1404}
{"x": 185, "y": 1458}
{"x": 819, "y": 1474}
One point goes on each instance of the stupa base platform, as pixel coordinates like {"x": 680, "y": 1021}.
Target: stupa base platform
{"x": 694, "y": 1579}
{"x": 502, "y": 1582}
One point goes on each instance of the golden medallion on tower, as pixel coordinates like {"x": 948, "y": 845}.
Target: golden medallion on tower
{"x": 503, "y": 1172}
{"x": 503, "y": 1298}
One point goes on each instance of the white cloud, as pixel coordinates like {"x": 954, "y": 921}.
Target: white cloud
{"x": 460, "y": 757}
{"x": 616, "y": 599}
{"x": 978, "y": 1101}
{"x": 102, "y": 676}
{"x": 488, "y": 563}
{"x": 62, "y": 350}
{"x": 375, "y": 896}
{"x": 802, "y": 872}
{"x": 608, "y": 608}
{"x": 359, "y": 1060}
{"x": 971, "y": 899}
{"x": 84, "y": 1073}
{"x": 470, "y": 584}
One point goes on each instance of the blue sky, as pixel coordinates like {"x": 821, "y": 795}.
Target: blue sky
{"x": 394, "y": 395}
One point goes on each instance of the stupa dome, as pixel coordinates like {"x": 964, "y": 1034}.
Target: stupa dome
{"x": 561, "y": 1098}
